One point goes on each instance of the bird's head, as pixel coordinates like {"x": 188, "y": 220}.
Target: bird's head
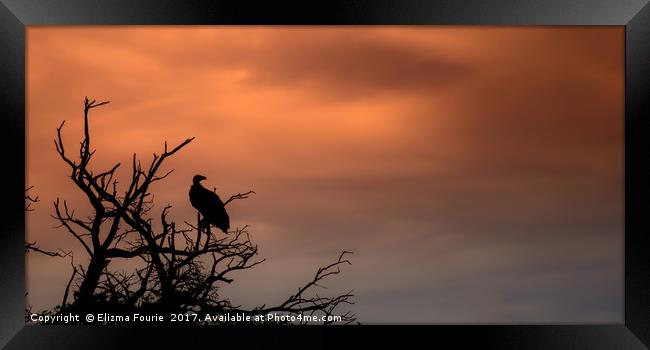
{"x": 198, "y": 178}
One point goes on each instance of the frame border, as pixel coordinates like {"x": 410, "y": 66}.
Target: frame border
{"x": 634, "y": 15}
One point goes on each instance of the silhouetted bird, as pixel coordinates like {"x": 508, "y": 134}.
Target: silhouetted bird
{"x": 209, "y": 204}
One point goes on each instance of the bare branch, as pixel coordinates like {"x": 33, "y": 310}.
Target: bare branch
{"x": 32, "y": 246}
{"x": 29, "y": 200}
{"x": 65, "y": 220}
{"x": 238, "y": 196}
{"x": 67, "y": 287}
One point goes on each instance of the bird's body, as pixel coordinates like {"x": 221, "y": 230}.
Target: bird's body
{"x": 209, "y": 205}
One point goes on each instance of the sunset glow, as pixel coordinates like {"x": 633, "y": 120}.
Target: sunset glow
{"x": 475, "y": 172}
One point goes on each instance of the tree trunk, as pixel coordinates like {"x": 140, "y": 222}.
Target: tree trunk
{"x": 91, "y": 280}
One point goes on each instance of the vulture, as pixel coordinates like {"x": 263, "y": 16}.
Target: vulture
{"x": 209, "y": 205}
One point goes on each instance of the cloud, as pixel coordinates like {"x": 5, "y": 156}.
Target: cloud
{"x": 447, "y": 158}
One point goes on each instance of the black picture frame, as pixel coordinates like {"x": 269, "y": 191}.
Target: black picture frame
{"x": 634, "y": 15}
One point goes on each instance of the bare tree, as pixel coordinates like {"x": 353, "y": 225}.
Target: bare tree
{"x": 177, "y": 268}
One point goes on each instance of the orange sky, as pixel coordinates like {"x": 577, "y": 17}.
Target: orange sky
{"x": 476, "y": 172}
